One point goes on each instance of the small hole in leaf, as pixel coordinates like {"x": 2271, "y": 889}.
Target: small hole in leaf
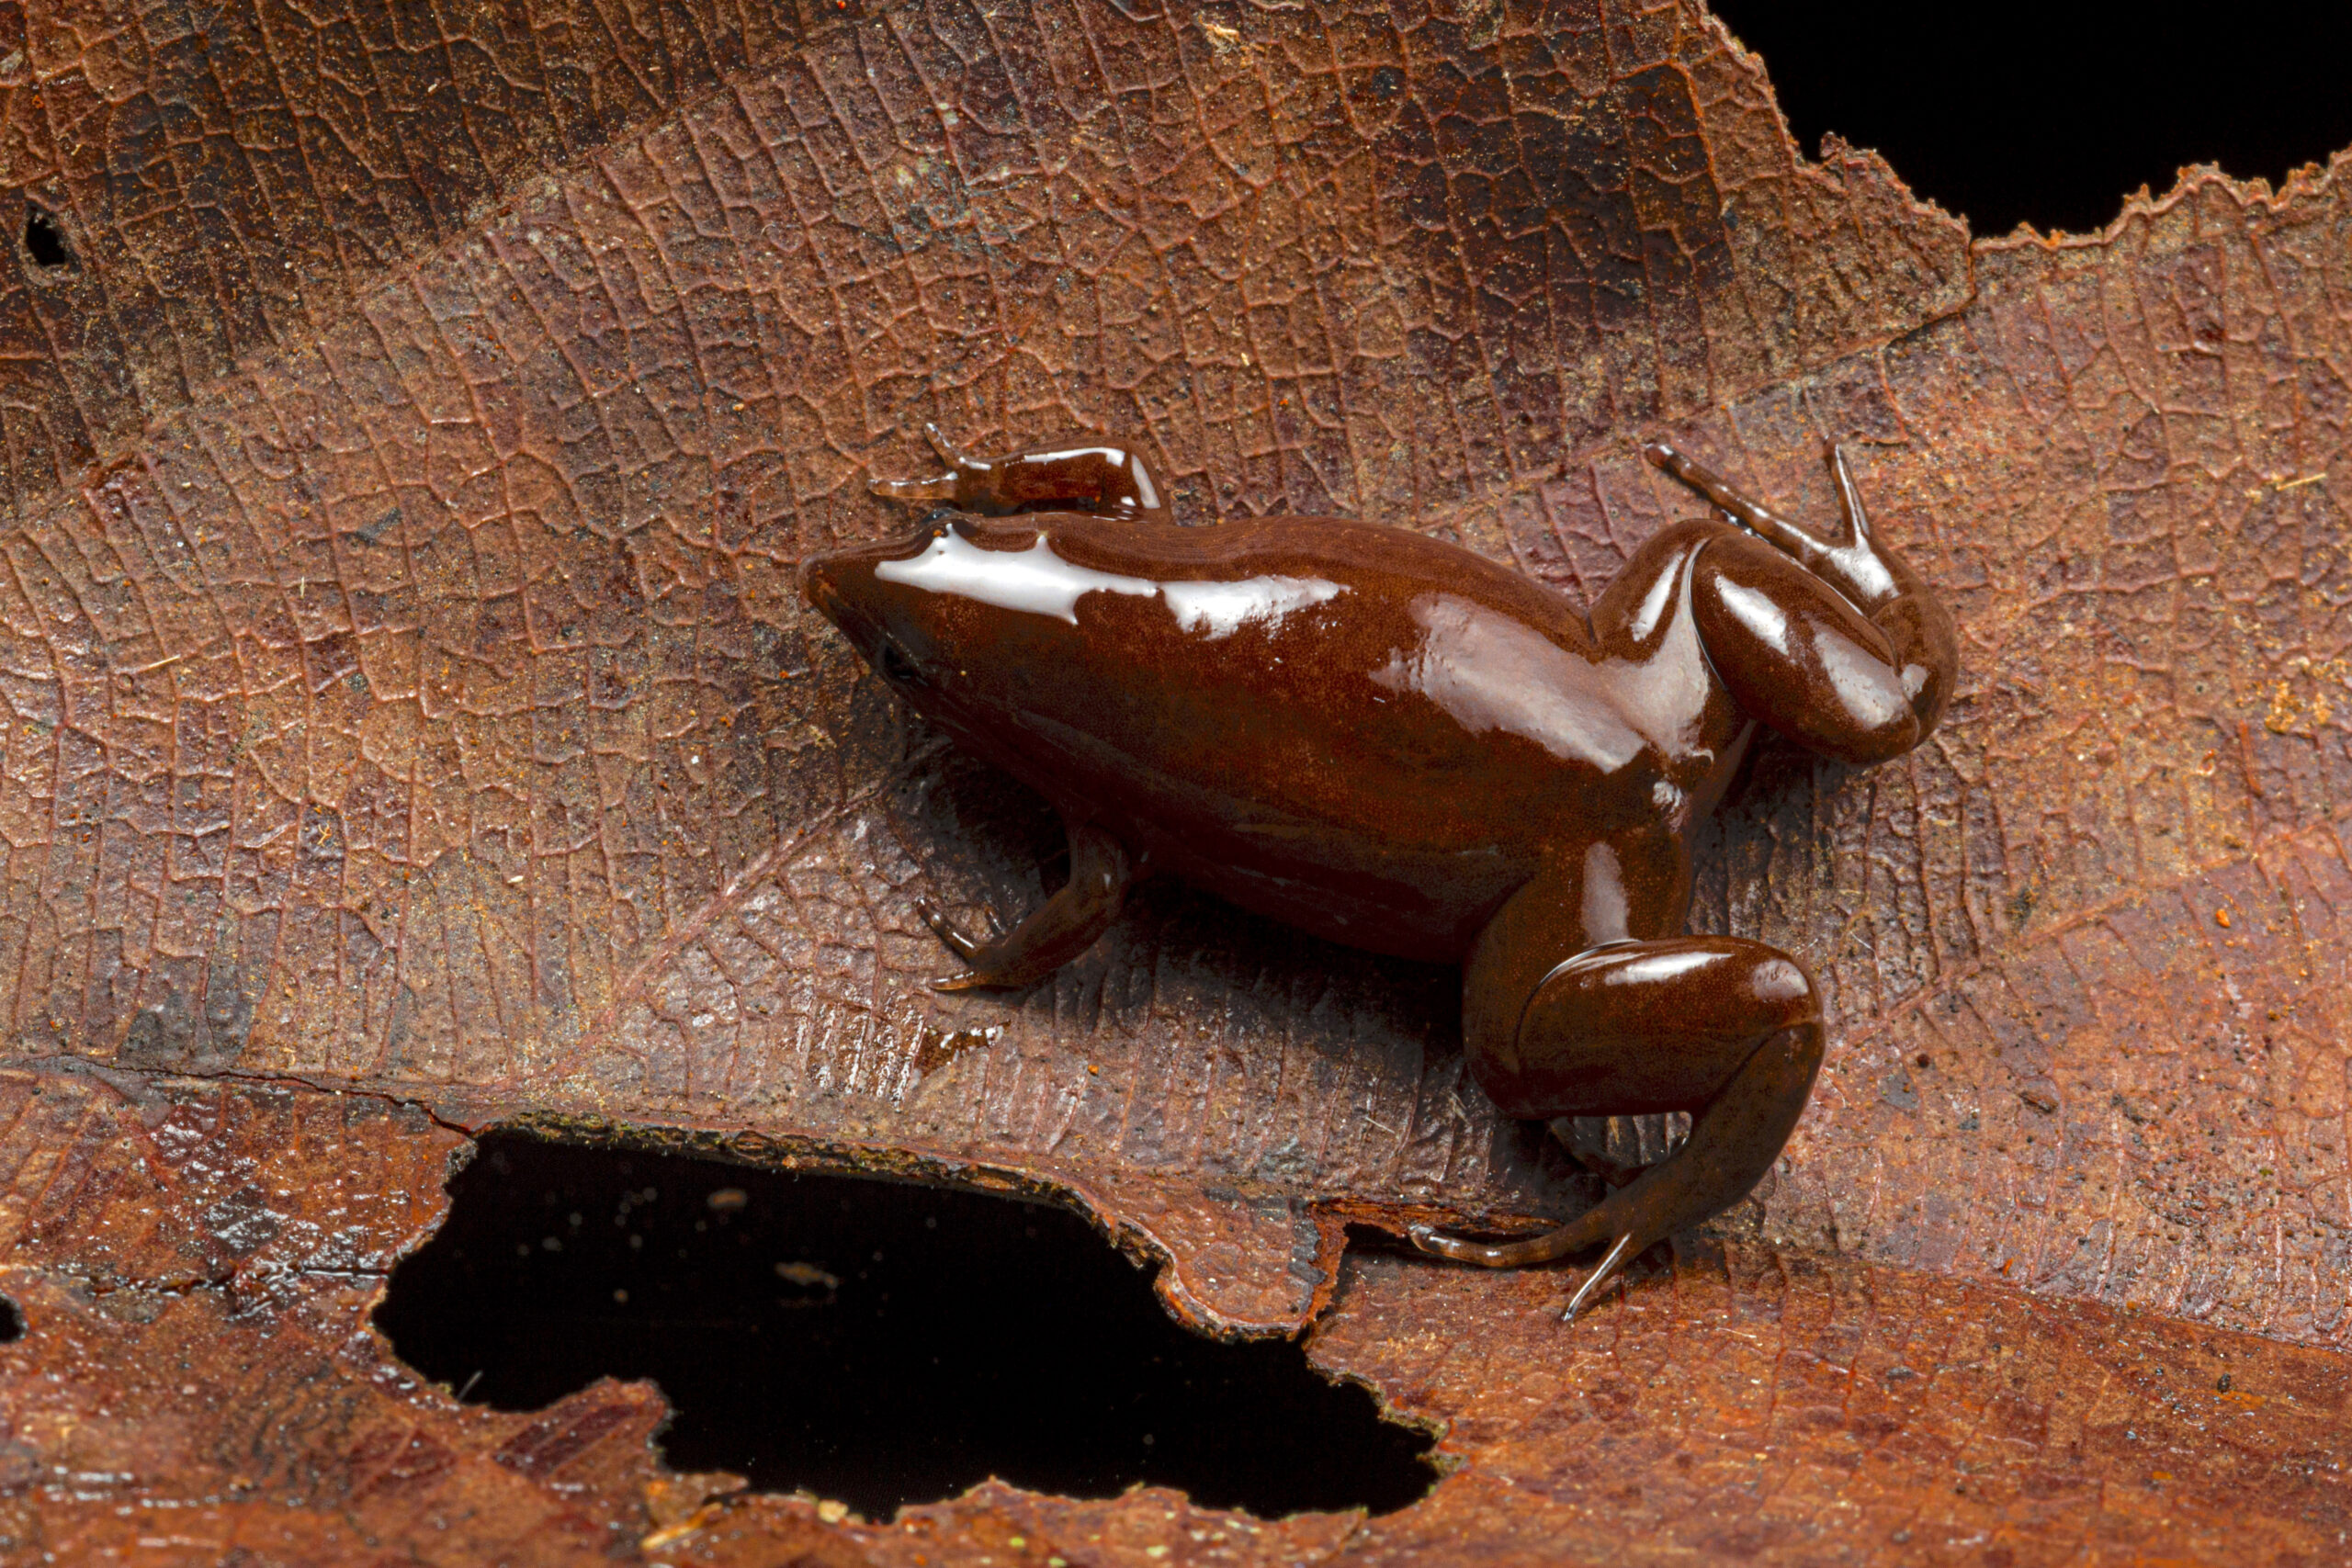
{"x": 878, "y": 1342}
{"x": 12, "y": 1320}
{"x": 45, "y": 241}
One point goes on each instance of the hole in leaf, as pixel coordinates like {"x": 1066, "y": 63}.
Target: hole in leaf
{"x": 12, "y": 1320}
{"x": 872, "y": 1341}
{"x": 44, "y": 241}
{"x": 2049, "y": 112}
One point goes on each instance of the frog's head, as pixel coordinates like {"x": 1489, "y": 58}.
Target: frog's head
{"x": 895, "y": 626}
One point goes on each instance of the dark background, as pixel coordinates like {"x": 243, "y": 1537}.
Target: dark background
{"x": 2050, "y": 113}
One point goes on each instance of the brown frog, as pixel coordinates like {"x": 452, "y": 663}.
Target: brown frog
{"x": 1394, "y": 743}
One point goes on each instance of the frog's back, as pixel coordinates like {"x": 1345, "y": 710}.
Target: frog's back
{"x": 1354, "y": 728}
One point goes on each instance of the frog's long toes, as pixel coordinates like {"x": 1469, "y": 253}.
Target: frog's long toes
{"x": 1574, "y": 1236}
{"x": 969, "y": 980}
{"x": 1427, "y": 1238}
{"x": 1431, "y": 1240}
{"x": 1608, "y": 1268}
{"x": 941, "y": 444}
{"x": 942, "y": 488}
{"x": 942, "y": 928}
{"x": 1661, "y": 455}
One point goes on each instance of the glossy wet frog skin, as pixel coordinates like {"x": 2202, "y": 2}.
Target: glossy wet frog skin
{"x": 1394, "y": 743}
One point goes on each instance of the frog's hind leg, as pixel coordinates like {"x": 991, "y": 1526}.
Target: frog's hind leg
{"x": 1728, "y": 1029}
{"x": 1056, "y": 932}
{"x": 1110, "y": 481}
{"x": 1837, "y": 644}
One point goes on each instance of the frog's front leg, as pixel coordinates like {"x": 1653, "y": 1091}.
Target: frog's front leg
{"x": 1056, "y": 932}
{"x": 1726, "y": 1029}
{"x": 1109, "y": 481}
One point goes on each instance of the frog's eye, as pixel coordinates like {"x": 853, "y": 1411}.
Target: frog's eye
{"x": 897, "y": 666}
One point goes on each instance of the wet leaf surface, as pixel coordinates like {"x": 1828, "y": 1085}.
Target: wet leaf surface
{"x": 412, "y": 729}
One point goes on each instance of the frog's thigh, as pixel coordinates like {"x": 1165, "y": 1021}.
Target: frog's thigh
{"x": 1624, "y": 885}
{"x": 1636, "y": 1026}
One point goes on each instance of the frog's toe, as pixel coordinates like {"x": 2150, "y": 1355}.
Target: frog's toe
{"x": 1611, "y": 1265}
{"x": 1535, "y": 1249}
{"x": 1429, "y": 1239}
{"x": 984, "y": 976}
{"x": 942, "y": 928}
{"x": 945, "y": 487}
{"x": 1490, "y": 1255}
{"x": 942, "y": 488}
{"x": 949, "y": 453}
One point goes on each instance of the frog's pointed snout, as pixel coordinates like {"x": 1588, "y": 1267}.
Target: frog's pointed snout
{"x": 818, "y": 582}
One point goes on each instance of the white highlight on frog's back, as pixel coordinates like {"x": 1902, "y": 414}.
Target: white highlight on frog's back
{"x": 1039, "y": 582}
{"x": 1224, "y": 608}
{"x": 1490, "y": 673}
{"x": 1035, "y": 580}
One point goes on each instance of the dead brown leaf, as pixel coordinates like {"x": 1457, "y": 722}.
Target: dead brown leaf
{"x": 408, "y": 708}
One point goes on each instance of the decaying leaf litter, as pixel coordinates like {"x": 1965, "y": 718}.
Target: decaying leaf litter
{"x": 412, "y": 729}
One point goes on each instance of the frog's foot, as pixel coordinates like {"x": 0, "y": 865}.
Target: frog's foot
{"x": 950, "y": 486}
{"x": 1106, "y": 481}
{"x": 1728, "y": 1028}
{"x": 1575, "y": 1237}
{"x": 1055, "y": 932}
{"x": 1733, "y": 1141}
{"x": 957, "y": 941}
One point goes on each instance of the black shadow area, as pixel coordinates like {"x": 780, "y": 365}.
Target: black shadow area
{"x": 2049, "y": 112}
{"x": 879, "y": 1343}
{"x": 44, "y": 242}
